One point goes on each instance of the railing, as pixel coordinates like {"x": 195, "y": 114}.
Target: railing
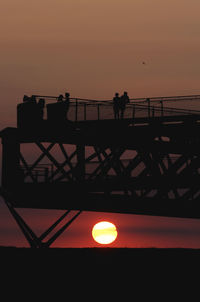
{"x": 40, "y": 173}
{"x": 86, "y": 109}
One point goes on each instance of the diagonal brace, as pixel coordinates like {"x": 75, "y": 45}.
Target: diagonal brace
{"x": 33, "y": 240}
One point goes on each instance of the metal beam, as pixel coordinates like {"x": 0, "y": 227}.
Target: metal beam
{"x": 33, "y": 240}
{"x": 52, "y": 159}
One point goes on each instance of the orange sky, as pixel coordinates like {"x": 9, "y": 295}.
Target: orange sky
{"x": 133, "y": 230}
{"x": 93, "y": 48}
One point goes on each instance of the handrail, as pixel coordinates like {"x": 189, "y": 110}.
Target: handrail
{"x": 142, "y": 106}
{"x": 81, "y": 109}
{"x": 143, "y": 99}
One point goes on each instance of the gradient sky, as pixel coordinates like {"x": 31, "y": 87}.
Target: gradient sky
{"x": 93, "y": 48}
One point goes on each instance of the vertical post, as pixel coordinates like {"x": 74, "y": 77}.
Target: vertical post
{"x": 51, "y": 172}
{"x": 161, "y": 104}
{"x": 85, "y": 111}
{"x": 76, "y": 111}
{"x": 133, "y": 112}
{"x": 153, "y": 111}
{"x": 98, "y": 111}
{"x": 10, "y": 159}
{"x": 80, "y": 149}
{"x": 46, "y": 174}
{"x": 148, "y": 104}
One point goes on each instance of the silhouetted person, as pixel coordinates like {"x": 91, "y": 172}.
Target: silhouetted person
{"x": 124, "y": 99}
{"x": 32, "y": 99}
{"x": 67, "y": 99}
{"x": 25, "y": 98}
{"x": 116, "y": 105}
{"x": 60, "y": 98}
{"x": 67, "y": 102}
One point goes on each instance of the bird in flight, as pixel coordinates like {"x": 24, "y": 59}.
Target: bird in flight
{"x": 144, "y": 63}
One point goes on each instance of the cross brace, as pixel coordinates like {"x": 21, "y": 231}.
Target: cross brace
{"x": 34, "y": 240}
{"x": 82, "y": 166}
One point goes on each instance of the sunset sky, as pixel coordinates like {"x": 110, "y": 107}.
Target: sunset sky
{"x": 94, "y": 48}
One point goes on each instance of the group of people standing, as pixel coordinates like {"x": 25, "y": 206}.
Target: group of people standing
{"x": 65, "y": 99}
{"x": 119, "y": 104}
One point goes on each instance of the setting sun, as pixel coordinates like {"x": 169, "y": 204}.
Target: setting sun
{"x": 104, "y": 232}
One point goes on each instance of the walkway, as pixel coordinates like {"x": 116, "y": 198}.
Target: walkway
{"x": 86, "y": 109}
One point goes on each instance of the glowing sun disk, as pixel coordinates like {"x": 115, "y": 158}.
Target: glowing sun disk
{"x": 104, "y": 232}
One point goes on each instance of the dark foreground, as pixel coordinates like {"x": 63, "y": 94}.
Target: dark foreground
{"x": 98, "y": 253}
{"x": 140, "y": 268}
{"x": 96, "y": 256}
{"x": 101, "y": 252}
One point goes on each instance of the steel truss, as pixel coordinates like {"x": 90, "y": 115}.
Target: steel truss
{"x": 139, "y": 173}
{"x": 148, "y": 174}
{"x": 34, "y": 240}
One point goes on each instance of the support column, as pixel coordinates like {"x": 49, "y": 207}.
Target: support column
{"x": 80, "y": 149}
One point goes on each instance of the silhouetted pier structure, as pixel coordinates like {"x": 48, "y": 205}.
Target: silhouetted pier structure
{"x": 146, "y": 163}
